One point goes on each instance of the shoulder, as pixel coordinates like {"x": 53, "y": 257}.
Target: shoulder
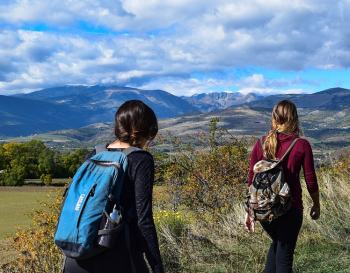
{"x": 303, "y": 141}
{"x": 257, "y": 150}
{"x": 304, "y": 144}
{"x": 259, "y": 142}
{"x": 140, "y": 156}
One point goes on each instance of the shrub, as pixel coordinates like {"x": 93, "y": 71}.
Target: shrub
{"x": 210, "y": 179}
{"x": 46, "y": 179}
{"x": 172, "y": 227}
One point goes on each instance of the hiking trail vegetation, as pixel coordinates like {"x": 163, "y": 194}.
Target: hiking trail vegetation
{"x": 198, "y": 210}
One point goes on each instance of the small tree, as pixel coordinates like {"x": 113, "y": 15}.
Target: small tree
{"x": 46, "y": 179}
{"x": 210, "y": 178}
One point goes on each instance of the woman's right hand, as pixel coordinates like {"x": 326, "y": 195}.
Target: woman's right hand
{"x": 315, "y": 211}
{"x": 249, "y": 223}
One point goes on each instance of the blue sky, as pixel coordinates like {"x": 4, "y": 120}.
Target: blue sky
{"x": 183, "y": 47}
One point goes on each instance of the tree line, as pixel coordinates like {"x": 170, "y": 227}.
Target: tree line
{"x": 33, "y": 160}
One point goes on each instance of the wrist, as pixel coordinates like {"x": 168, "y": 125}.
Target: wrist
{"x": 316, "y": 205}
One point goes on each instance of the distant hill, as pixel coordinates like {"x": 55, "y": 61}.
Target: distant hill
{"x": 102, "y": 101}
{"x": 20, "y": 116}
{"x": 209, "y": 102}
{"x": 330, "y": 99}
{"x": 70, "y": 107}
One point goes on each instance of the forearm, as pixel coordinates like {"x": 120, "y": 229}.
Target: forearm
{"x": 315, "y": 196}
{"x": 152, "y": 249}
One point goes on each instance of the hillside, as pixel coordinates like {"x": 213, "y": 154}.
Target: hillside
{"x": 330, "y": 99}
{"x": 20, "y": 116}
{"x": 71, "y": 107}
{"x": 102, "y": 101}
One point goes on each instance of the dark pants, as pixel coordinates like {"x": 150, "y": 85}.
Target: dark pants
{"x": 109, "y": 262}
{"x": 284, "y": 233}
{"x": 116, "y": 260}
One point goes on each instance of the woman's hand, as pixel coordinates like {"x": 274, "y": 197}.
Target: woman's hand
{"x": 249, "y": 223}
{"x": 315, "y": 211}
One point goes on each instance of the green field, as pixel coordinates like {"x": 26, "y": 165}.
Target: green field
{"x": 16, "y": 204}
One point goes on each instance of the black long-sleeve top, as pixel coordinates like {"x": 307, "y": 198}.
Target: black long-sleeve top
{"x": 137, "y": 205}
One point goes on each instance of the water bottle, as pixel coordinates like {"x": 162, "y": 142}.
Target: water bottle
{"x": 115, "y": 215}
{"x": 111, "y": 222}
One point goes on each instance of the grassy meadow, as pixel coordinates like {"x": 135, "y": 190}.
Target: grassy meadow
{"x": 16, "y": 206}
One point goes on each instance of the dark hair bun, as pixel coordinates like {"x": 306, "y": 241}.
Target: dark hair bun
{"x": 135, "y": 123}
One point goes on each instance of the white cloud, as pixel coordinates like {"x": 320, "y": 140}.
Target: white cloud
{"x": 188, "y": 86}
{"x": 269, "y": 91}
{"x": 165, "y": 41}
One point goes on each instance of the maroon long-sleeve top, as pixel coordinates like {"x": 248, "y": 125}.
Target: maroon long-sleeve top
{"x": 301, "y": 156}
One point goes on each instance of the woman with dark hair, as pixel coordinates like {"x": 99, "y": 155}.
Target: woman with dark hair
{"x": 135, "y": 125}
{"x": 284, "y": 230}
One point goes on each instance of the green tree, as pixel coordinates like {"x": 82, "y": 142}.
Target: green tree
{"x": 46, "y": 162}
{"x": 14, "y": 176}
{"x": 73, "y": 160}
{"x": 32, "y": 151}
{"x": 15, "y": 164}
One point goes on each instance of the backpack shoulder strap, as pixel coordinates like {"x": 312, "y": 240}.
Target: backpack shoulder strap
{"x": 289, "y": 149}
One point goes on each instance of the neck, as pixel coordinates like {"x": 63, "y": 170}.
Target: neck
{"x": 118, "y": 144}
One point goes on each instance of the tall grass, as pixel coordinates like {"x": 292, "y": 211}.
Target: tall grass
{"x": 224, "y": 246}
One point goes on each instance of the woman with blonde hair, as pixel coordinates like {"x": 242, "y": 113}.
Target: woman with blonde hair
{"x": 284, "y": 230}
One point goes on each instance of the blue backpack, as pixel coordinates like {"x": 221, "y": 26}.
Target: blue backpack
{"x": 95, "y": 188}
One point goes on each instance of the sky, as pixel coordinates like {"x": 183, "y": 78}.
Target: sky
{"x": 181, "y": 46}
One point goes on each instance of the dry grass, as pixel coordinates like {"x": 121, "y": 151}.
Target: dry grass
{"x": 224, "y": 246}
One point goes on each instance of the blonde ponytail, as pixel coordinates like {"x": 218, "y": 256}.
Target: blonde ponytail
{"x": 284, "y": 119}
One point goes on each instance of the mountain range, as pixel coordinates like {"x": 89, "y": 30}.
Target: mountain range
{"x": 74, "y": 106}
{"x": 330, "y": 99}
{"x": 325, "y": 119}
{"x": 73, "y": 116}
{"x": 209, "y": 102}
{"x": 22, "y": 116}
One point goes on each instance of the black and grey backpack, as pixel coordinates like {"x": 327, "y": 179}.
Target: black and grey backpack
{"x": 269, "y": 194}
